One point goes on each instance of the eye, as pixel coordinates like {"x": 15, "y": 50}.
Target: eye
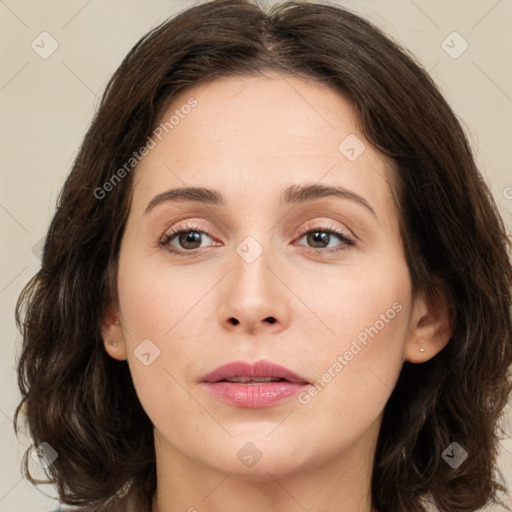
{"x": 188, "y": 239}
{"x": 322, "y": 236}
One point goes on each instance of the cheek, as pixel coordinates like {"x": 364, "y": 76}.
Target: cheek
{"x": 356, "y": 363}
{"x": 157, "y": 311}
{"x": 153, "y": 301}
{"x": 368, "y": 307}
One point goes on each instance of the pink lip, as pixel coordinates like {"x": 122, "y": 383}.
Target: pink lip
{"x": 255, "y": 395}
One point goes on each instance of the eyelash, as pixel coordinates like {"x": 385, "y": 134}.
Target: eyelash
{"x": 331, "y": 230}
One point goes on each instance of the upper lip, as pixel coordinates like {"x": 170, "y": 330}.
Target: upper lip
{"x": 257, "y": 369}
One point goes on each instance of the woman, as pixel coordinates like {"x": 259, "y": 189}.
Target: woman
{"x": 275, "y": 280}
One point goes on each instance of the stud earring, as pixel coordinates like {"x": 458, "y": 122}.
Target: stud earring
{"x": 112, "y": 342}
{"x": 422, "y": 349}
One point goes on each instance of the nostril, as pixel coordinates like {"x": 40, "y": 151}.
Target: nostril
{"x": 234, "y": 321}
{"x": 270, "y": 319}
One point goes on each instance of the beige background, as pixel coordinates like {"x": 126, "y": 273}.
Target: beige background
{"x": 46, "y": 105}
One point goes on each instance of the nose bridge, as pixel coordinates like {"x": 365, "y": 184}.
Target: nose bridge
{"x": 254, "y": 296}
{"x": 253, "y": 241}
{"x": 251, "y": 275}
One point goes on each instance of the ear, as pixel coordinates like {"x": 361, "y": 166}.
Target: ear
{"x": 113, "y": 334}
{"x": 432, "y": 326}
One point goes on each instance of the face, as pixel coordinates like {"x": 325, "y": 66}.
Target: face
{"x": 271, "y": 271}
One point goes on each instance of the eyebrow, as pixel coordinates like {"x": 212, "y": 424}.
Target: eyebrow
{"x": 293, "y": 194}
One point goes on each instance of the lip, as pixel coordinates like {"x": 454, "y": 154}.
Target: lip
{"x": 253, "y": 395}
{"x": 258, "y": 369}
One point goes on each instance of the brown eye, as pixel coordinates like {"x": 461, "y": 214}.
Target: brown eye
{"x": 189, "y": 239}
{"x": 184, "y": 240}
{"x": 320, "y": 238}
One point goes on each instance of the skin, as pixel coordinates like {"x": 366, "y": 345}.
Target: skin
{"x": 249, "y": 138}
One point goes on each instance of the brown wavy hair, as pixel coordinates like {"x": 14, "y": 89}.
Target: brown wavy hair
{"x": 82, "y": 401}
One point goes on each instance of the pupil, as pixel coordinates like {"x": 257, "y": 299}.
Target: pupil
{"x": 320, "y": 237}
{"x": 190, "y": 238}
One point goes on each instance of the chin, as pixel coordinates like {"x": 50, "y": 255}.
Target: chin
{"x": 263, "y": 460}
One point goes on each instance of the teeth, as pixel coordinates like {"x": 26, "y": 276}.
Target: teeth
{"x": 245, "y": 380}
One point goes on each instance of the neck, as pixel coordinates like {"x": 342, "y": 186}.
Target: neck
{"x": 339, "y": 483}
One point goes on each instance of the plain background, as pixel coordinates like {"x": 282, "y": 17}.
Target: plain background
{"x": 46, "y": 105}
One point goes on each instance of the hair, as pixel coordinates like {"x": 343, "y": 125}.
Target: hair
{"x": 83, "y": 403}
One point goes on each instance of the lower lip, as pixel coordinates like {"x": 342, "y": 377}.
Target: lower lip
{"x": 254, "y": 396}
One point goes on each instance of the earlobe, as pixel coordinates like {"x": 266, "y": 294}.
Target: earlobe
{"x": 432, "y": 326}
{"x": 113, "y": 335}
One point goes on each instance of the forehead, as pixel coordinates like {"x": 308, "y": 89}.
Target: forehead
{"x": 253, "y": 135}
{"x": 284, "y": 113}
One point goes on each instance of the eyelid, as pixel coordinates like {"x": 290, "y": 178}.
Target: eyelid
{"x": 190, "y": 225}
{"x": 326, "y": 226}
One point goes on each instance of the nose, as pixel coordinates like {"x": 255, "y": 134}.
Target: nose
{"x": 255, "y": 298}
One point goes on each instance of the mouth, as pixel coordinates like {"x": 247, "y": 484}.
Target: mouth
{"x": 253, "y": 373}
{"x": 254, "y": 386}
{"x": 252, "y": 380}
